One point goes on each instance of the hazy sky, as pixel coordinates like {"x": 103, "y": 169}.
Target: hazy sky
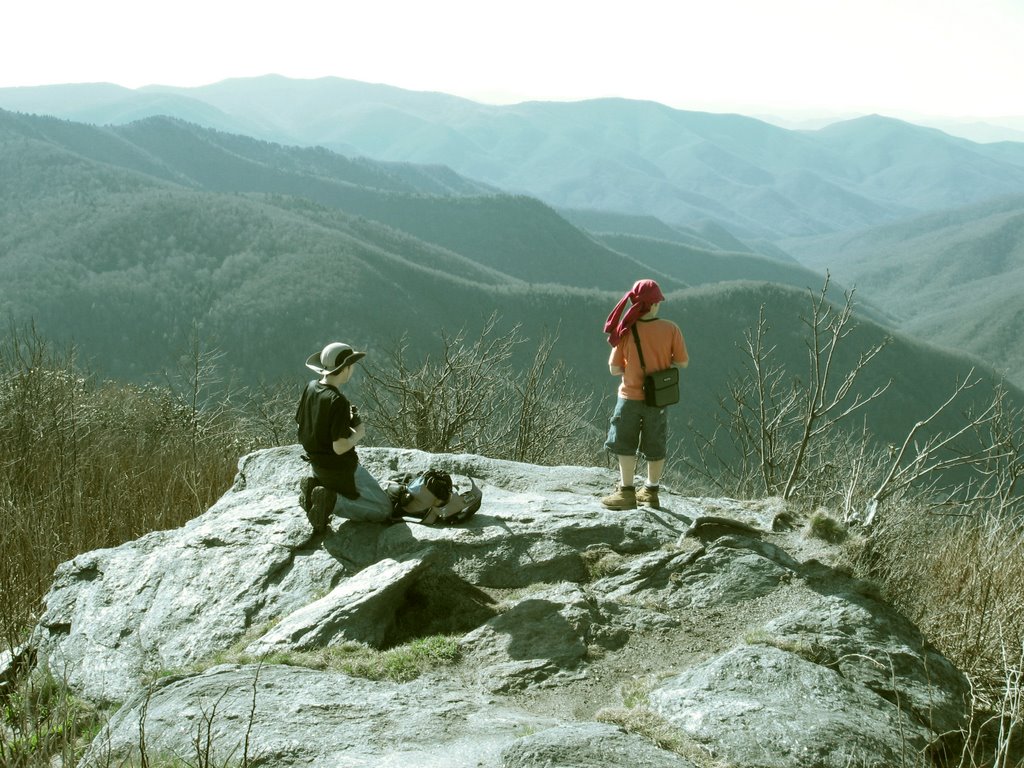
{"x": 898, "y": 57}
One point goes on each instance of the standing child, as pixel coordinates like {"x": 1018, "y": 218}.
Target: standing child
{"x": 329, "y": 429}
{"x": 636, "y": 426}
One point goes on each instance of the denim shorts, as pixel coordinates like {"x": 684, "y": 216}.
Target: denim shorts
{"x": 637, "y": 425}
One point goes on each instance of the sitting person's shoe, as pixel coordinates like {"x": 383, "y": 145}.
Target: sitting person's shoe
{"x": 648, "y": 496}
{"x": 623, "y": 498}
{"x": 306, "y": 486}
{"x": 320, "y": 510}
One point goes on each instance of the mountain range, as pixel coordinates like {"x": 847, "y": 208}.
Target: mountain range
{"x": 124, "y": 238}
{"x": 642, "y": 158}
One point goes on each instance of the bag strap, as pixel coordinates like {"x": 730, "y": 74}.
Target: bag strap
{"x": 639, "y": 349}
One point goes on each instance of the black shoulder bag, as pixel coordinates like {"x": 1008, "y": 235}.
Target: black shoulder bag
{"x": 661, "y": 388}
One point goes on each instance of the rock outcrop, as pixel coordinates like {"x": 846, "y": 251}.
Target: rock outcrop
{"x": 585, "y": 635}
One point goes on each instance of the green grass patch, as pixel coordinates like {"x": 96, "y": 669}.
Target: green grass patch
{"x": 42, "y": 721}
{"x": 399, "y": 664}
{"x": 404, "y": 662}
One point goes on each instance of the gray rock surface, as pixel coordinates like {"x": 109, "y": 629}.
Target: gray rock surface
{"x": 173, "y": 598}
{"x": 304, "y": 717}
{"x": 868, "y": 643}
{"x": 588, "y": 745}
{"x": 761, "y": 706}
{"x": 13, "y": 664}
{"x": 715, "y": 618}
{"x": 548, "y": 634}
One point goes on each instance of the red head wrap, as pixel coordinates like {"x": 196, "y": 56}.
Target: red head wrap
{"x": 644, "y": 294}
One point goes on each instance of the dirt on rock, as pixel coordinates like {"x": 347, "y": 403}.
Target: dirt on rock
{"x": 613, "y": 678}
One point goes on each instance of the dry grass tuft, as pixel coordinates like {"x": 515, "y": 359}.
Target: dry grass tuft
{"x": 649, "y": 724}
{"x": 959, "y": 579}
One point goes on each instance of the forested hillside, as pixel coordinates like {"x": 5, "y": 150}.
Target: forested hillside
{"x": 126, "y": 263}
{"x": 955, "y": 278}
{"x": 701, "y": 266}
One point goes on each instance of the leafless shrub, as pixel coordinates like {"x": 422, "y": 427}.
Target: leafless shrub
{"x": 549, "y": 420}
{"x": 267, "y": 416}
{"x": 86, "y": 464}
{"x": 775, "y": 432}
{"x": 472, "y": 398}
{"x": 987, "y": 450}
{"x": 448, "y": 404}
{"x": 779, "y": 434}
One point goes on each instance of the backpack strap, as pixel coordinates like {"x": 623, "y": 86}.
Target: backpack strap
{"x": 639, "y": 349}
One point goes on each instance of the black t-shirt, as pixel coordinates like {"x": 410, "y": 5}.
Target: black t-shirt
{"x": 325, "y": 415}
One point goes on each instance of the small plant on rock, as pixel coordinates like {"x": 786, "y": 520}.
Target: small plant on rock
{"x": 825, "y": 527}
{"x": 600, "y": 562}
{"x": 649, "y": 724}
{"x": 809, "y": 650}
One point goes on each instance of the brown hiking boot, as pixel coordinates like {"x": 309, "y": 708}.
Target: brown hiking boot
{"x": 320, "y": 510}
{"x": 306, "y": 486}
{"x": 623, "y": 498}
{"x": 648, "y": 496}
